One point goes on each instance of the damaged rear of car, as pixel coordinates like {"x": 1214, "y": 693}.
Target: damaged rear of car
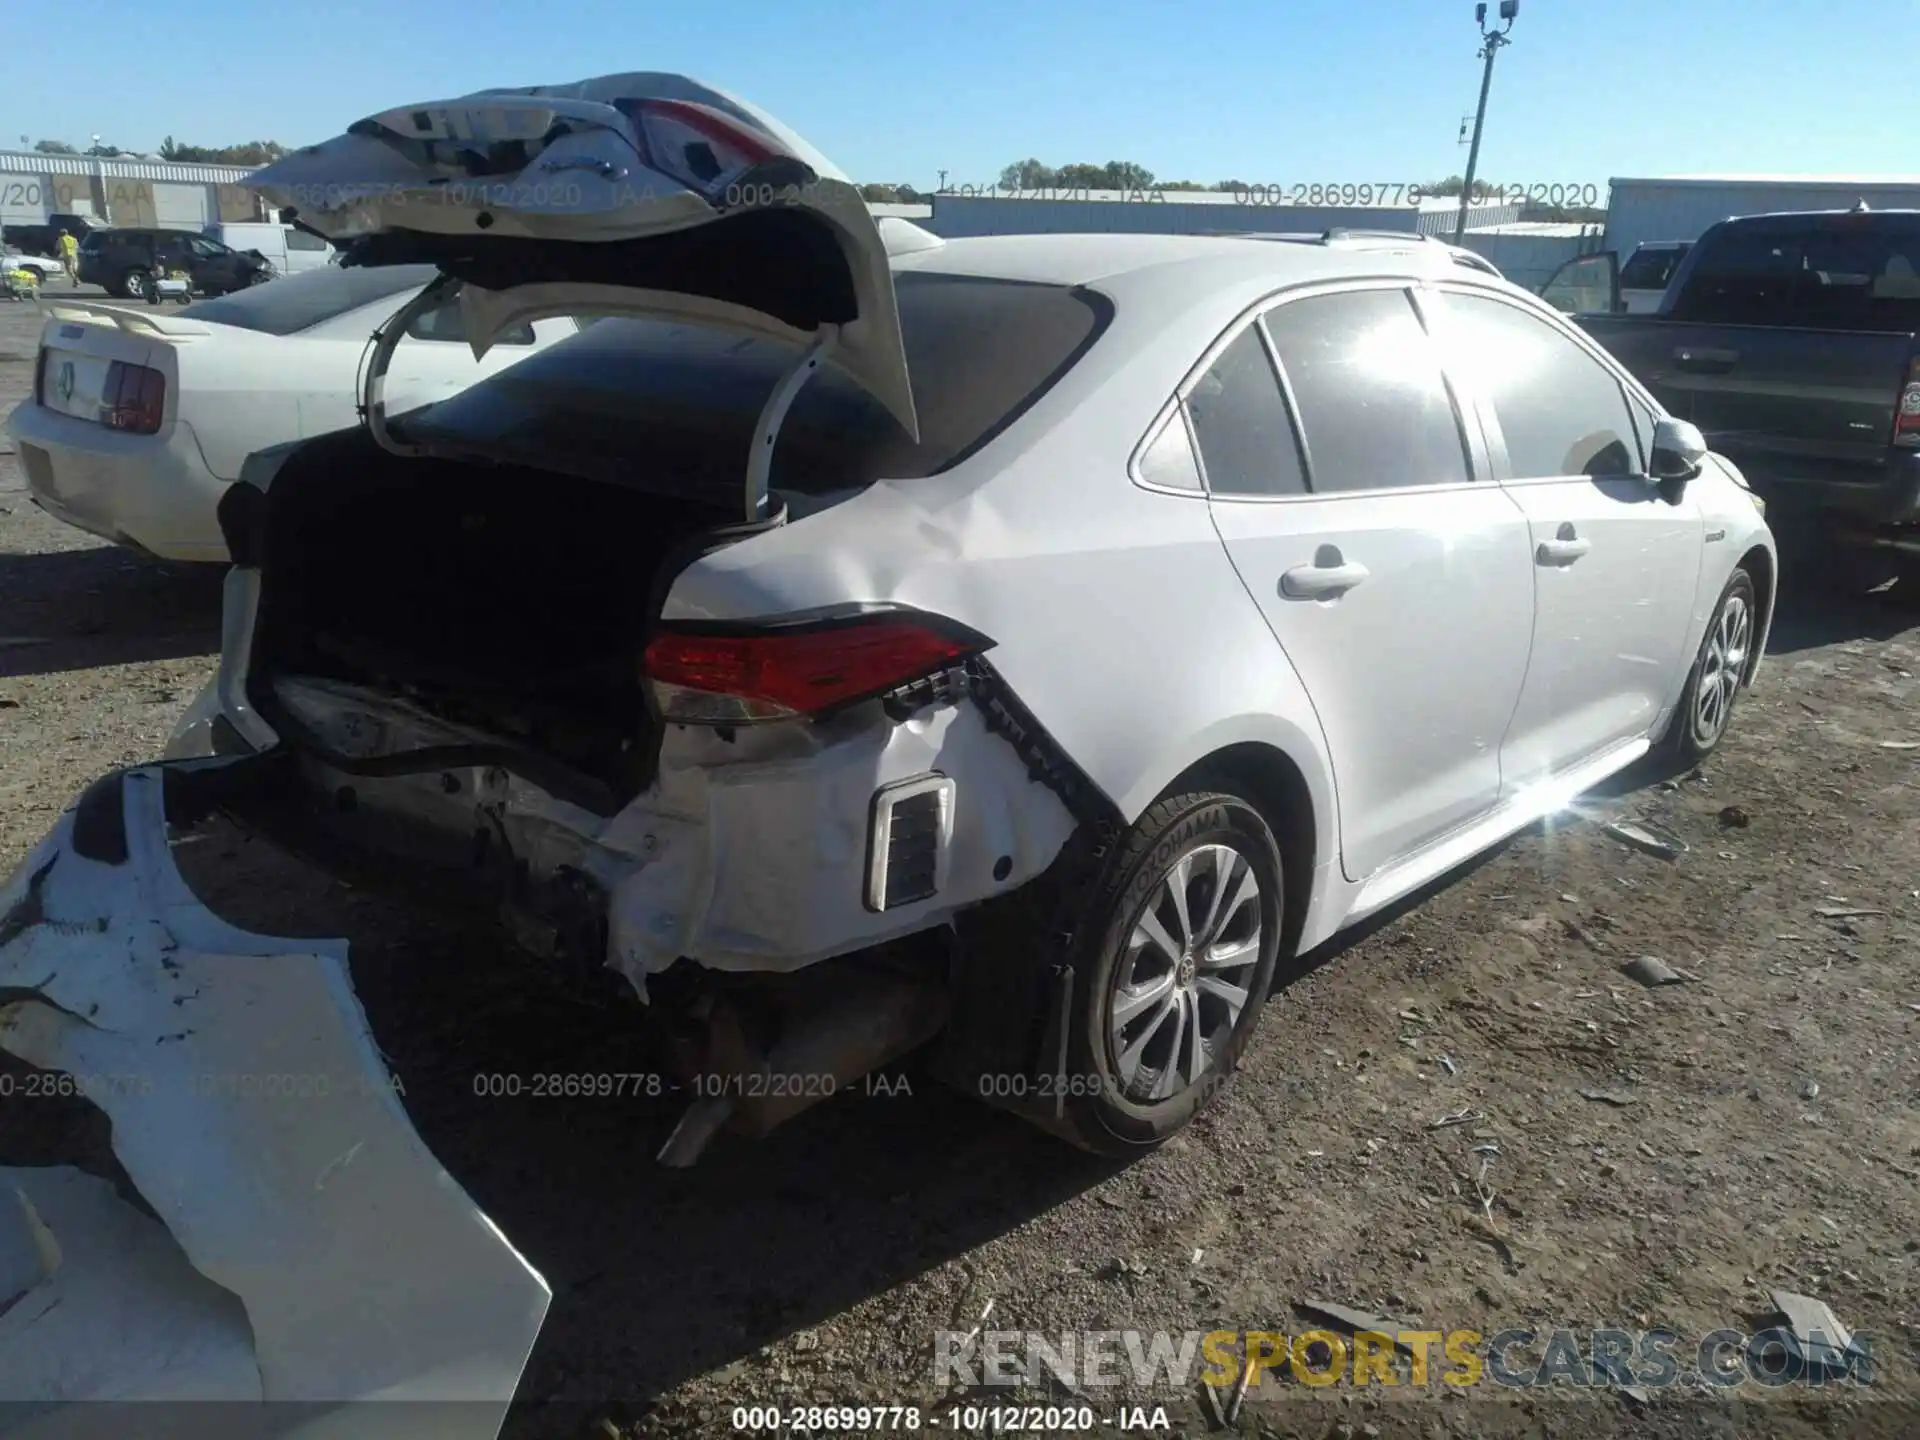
{"x": 623, "y": 641}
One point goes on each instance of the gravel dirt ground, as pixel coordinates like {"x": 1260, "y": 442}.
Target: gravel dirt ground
{"x": 1625, "y": 1157}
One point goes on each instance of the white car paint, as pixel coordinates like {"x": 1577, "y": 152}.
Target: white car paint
{"x": 251, "y": 1108}
{"x": 41, "y": 265}
{"x": 229, "y": 391}
{"x": 990, "y": 545}
{"x": 1138, "y": 619}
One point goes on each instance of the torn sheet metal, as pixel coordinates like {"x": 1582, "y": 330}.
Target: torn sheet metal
{"x": 251, "y": 1109}
{"x": 747, "y": 855}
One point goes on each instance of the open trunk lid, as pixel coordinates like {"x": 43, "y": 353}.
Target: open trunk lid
{"x": 646, "y": 193}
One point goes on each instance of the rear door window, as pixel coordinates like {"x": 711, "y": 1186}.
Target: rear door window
{"x": 301, "y": 240}
{"x": 1372, "y": 398}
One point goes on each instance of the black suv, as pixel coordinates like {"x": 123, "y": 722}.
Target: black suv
{"x": 125, "y": 261}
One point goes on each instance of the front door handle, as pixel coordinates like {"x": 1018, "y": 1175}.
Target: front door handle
{"x": 1318, "y": 582}
{"x": 1564, "y": 550}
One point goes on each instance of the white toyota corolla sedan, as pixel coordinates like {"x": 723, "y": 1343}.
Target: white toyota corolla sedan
{"x": 1005, "y": 649}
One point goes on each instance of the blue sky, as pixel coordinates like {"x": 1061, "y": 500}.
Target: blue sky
{"x": 1262, "y": 90}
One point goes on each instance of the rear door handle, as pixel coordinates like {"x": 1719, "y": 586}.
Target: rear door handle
{"x": 1563, "y": 551}
{"x": 1706, "y": 362}
{"x": 1315, "y": 582}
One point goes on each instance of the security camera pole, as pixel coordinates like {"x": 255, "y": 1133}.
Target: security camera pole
{"x": 1492, "y": 41}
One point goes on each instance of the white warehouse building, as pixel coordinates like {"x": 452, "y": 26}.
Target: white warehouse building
{"x": 1681, "y": 207}
{"x": 121, "y": 191}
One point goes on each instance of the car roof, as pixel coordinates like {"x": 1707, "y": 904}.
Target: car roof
{"x": 1200, "y": 264}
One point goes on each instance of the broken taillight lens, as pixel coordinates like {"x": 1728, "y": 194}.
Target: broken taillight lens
{"x": 705, "y": 675}
{"x": 133, "y": 399}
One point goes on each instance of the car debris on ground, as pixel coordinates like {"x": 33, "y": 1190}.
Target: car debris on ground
{"x": 1650, "y": 971}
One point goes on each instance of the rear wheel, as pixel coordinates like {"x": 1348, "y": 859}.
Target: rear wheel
{"x": 1176, "y": 955}
{"x": 136, "y": 284}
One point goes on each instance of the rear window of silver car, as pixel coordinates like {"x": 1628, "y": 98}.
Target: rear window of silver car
{"x": 672, "y": 406}
{"x": 299, "y": 302}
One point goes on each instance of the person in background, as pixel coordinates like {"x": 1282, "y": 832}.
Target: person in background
{"x": 70, "y": 257}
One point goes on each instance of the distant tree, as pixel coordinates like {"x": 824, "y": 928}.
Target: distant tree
{"x": 1454, "y": 184}
{"x": 171, "y": 149}
{"x": 1113, "y": 175}
{"x": 106, "y": 152}
{"x": 54, "y": 147}
{"x": 254, "y": 152}
{"x": 1028, "y": 175}
{"x": 1180, "y": 185}
{"x": 1225, "y": 185}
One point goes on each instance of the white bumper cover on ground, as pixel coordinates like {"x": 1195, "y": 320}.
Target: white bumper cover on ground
{"x": 251, "y": 1109}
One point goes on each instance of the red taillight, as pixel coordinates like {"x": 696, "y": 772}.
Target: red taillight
{"x": 1906, "y": 412}
{"x": 705, "y": 677}
{"x": 133, "y": 398}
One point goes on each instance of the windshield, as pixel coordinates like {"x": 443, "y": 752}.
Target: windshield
{"x": 299, "y": 302}
{"x": 683, "y": 399}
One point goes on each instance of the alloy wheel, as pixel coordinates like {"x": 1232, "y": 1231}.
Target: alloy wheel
{"x": 1721, "y": 667}
{"x": 1180, "y": 986}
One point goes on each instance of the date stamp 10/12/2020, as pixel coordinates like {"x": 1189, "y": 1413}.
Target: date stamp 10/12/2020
{"x": 1357, "y": 194}
{"x": 562, "y": 194}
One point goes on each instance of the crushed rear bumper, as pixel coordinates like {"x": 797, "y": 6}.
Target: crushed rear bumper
{"x": 310, "y": 1253}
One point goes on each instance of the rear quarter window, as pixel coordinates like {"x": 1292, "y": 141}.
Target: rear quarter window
{"x": 681, "y": 400}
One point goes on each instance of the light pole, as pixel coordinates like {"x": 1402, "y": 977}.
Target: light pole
{"x": 1491, "y": 41}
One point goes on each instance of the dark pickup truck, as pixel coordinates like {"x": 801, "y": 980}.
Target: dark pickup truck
{"x": 44, "y": 239}
{"x": 1790, "y": 341}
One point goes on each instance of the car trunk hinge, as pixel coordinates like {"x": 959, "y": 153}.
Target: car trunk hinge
{"x": 373, "y": 402}
{"x": 774, "y": 414}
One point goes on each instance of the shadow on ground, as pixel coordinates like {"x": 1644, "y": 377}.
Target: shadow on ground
{"x": 77, "y": 609}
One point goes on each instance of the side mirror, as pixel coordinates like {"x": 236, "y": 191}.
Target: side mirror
{"x": 1679, "y": 451}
